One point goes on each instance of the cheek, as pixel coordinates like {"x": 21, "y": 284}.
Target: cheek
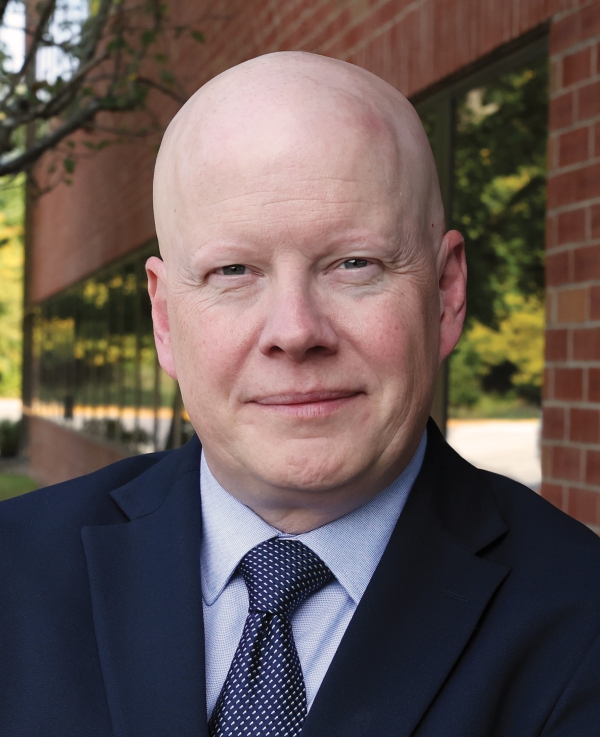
{"x": 397, "y": 337}
{"x": 210, "y": 345}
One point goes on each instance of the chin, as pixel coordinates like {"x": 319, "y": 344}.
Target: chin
{"x": 313, "y": 469}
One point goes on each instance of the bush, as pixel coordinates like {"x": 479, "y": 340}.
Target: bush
{"x": 506, "y": 363}
{"x": 10, "y": 433}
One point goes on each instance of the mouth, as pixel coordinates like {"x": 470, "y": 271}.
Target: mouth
{"x": 308, "y": 404}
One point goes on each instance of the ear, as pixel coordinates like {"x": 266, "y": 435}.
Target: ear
{"x": 157, "y": 289}
{"x": 452, "y": 275}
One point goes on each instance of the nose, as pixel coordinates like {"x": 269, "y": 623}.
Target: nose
{"x": 296, "y": 326}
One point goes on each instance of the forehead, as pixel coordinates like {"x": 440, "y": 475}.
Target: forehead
{"x": 285, "y": 148}
{"x": 288, "y": 183}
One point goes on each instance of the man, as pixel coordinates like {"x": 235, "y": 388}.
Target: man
{"x": 325, "y": 564}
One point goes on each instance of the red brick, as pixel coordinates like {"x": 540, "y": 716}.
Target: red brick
{"x": 573, "y": 147}
{"x": 556, "y": 345}
{"x": 584, "y": 505}
{"x": 596, "y": 221}
{"x": 589, "y": 101}
{"x": 597, "y": 139}
{"x": 590, "y": 21}
{"x": 592, "y": 467}
{"x": 546, "y": 460}
{"x": 586, "y": 263}
{"x": 553, "y": 426}
{"x": 574, "y": 186}
{"x": 584, "y": 426}
{"x": 594, "y": 385}
{"x": 547, "y": 384}
{"x": 557, "y": 269}
{"x": 595, "y": 302}
{"x": 586, "y": 344}
{"x": 561, "y": 111}
{"x": 577, "y": 66}
{"x": 551, "y": 239}
{"x": 572, "y": 305}
{"x": 552, "y": 493}
{"x": 565, "y": 32}
{"x": 566, "y": 463}
{"x": 571, "y": 226}
{"x": 568, "y": 384}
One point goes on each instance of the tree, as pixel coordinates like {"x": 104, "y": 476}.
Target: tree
{"x": 105, "y": 57}
{"x": 499, "y": 196}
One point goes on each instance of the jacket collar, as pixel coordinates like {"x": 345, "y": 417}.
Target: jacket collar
{"x": 420, "y": 609}
{"x": 147, "y": 607}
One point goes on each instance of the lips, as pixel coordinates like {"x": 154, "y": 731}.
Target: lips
{"x": 313, "y": 397}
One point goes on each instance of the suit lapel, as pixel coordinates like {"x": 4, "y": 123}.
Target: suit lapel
{"x": 420, "y": 609}
{"x": 147, "y": 605}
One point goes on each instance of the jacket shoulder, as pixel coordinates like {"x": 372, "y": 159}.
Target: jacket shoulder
{"x": 79, "y": 501}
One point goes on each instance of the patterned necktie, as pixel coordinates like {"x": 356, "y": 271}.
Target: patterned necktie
{"x": 264, "y": 693}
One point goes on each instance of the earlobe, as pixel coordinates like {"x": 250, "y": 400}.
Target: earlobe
{"x": 157, "y": 289}
{"x": 452, "y": 271}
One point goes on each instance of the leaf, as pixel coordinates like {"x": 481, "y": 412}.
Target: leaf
{"x": 197, "y": 36}
{"x": 69, "y": 164}
{"x": 166, "y": 76}
{"x": 148, "y": 37}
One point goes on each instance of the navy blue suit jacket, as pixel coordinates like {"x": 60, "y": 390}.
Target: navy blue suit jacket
{"x": 481, "y": 620}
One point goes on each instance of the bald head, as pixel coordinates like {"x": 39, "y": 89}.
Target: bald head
{"x": 290, "y": 110}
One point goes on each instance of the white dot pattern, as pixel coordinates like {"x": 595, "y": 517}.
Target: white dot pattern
{"x": 264, "y": 693}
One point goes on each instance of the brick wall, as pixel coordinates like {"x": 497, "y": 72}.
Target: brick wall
{"x": 108, "y": 210}
{"x": 58, "y": 453}
{"x": 571, "y": 433}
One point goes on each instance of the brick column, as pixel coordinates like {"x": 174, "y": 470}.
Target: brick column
{"x": 571, "y": 419}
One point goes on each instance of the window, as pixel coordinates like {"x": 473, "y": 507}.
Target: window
{"x": 95, "y": 364}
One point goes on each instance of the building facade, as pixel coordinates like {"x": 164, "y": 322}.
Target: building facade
{"x": 94, "y": 391}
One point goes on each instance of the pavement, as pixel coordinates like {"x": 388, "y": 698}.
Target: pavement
{"x": 509, "y": 447}
{"x": 10, "y": 409}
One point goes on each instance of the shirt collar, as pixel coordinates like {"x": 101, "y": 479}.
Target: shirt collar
{"x": 351, "y": 546}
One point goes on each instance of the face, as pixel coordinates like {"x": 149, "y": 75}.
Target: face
{"x": 300, "y": 310}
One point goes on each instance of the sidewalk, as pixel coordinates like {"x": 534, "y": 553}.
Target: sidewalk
{"x": 509, "y": 447}
{"x": 10, "y": 409}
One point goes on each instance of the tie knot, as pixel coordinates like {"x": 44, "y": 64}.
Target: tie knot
{"x": 280, "y": 574}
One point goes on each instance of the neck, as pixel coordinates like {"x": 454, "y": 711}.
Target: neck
{"x": 295, "y": 510}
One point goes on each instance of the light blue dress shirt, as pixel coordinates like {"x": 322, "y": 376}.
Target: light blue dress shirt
{"x": 351, "y": 546}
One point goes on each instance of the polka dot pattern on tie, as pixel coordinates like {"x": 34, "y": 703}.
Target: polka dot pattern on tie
{"x": 264, "y": 694}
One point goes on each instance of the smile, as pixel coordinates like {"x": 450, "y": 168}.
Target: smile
{"x": 308, "y": 405}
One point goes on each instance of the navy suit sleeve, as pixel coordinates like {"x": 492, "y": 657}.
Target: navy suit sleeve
{"x": 577, "y": 711}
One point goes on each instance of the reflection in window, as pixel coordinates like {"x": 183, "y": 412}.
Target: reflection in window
{"x": 489, "y": 139}
{"x": 95, "y": 364}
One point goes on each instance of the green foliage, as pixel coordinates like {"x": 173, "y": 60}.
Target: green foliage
{"x": 498, "y": 203}
{"x": 9, "y": 438}
{"x": 11, "y": 295}
{"x": 506, "y": 362}
{"x": 499, "y": 193}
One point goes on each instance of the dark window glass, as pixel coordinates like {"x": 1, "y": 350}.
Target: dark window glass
{"x": 95, "y": 364}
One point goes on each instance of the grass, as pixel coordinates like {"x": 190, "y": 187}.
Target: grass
{"x": 14, "y": 484}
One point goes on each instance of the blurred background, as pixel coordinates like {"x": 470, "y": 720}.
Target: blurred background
{"x": 509, "y": 96}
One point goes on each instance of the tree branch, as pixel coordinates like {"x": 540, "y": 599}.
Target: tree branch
{"x": 32, "y": 154}
{"x": 147, "y": 82}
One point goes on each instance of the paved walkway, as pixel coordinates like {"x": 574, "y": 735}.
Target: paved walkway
{"x": 10, "y": 409}
{"x": 509, "y": 447}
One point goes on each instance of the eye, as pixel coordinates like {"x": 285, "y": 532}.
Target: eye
{"x": 354, "y": 263}
{"x": 232, "y": 270}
